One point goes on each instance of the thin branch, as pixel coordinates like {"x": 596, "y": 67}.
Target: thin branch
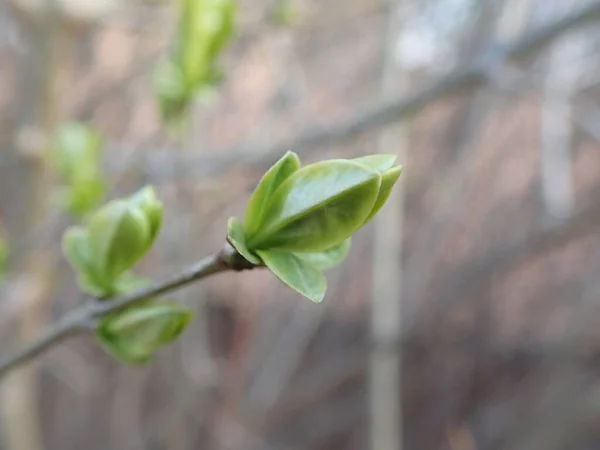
{"x": 476, "y": 74}
{"x": 507, "y": 258}
{"x": 83, "y": 319}
{"x": 385, "y": 417}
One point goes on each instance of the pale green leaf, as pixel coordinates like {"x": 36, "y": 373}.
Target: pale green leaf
{"x": 76, "y": 151}
{"x": 128, "y": 282}
{"x": 295, "y": 273}
{"x": 75, "y": 155}
{"x": 260, "y": 199}
{"x": 329, "y": 258}
{"x": 380, "y": 163}
{"x": 152, "y": 207}
{"x": 318, "y": 207}
{"x": 118, "y": 238}
{"x": 133, "y": 335}
{"x": 235, "y": 236}
{"x": 75, "y": 247}
{"x": 388, "y": 180}
{"x": 81, "y": 198}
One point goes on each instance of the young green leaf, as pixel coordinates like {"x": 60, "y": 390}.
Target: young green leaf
{"x": 148, "y": 202}
{"x": 329, "y": 258}
{"x": 318, "y": 207}
{"x": 75, "y": 155}
{"x": 384, "y": 164}
{"x": 259, "y": 201}
{"x": 388, "y": 180}
{"x": 380, "y": 163}
{"x": 235, "y": 236}
{"x": 118, "y": 238}
{"x": 76, "y": 150}
{"x": 128, "y": 282}
{"x": 171, "y": 89}
{"x": 295, "y": 273}
{"x": 75, "y": 247}
{"x": 80, "y": 198}
{"x": 133, "y": 335}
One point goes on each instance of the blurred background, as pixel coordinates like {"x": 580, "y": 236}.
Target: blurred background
{"x": 464, "y": 318}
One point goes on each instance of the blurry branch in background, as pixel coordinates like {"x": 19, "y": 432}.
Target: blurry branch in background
{"x": 562, "y": 79}
{"x": 586, "y": 117}
{"x": 20, "y": 416}
{"x": 570, "y": 406}
{"x": 481, "y": 70}
{"x": 460, "y": 177}
{"x": 385, "y": 363}
{"x": 509, "y": 257}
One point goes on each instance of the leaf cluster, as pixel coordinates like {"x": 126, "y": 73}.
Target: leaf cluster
{"x": 75, "y": 155}
{"x": 299, "y": 220}
{"x": 103, "y": 251}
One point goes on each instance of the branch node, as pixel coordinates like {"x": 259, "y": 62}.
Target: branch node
{"x": 229, "y": 258}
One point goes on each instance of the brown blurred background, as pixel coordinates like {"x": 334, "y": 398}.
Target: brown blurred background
{"x": 465, "y": 316}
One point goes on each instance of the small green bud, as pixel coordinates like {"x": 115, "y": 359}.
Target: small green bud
{"x": 152, "y": 207}
{"x": 114, "y": 239}
{"x": 118, "y": 236}
{"x": 190, "y": 71}
{"x": 133, "y": 335}
{"x": 76, "y": 157}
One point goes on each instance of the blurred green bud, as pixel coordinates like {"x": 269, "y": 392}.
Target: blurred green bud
{"x": 132, "y": 336}
{"x": 284, "y": 13}
{"x": 76, "y": 157}
{"x": 190, "y": 70}
{"x": 114, "y": 239}
{"x": 152, "y": 207}
{"x": 299, "y": 220}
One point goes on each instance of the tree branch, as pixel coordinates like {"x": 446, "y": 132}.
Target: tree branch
{"x": 84, "y": 319}
{"x": 478, "y": 272}
{"x": 476, "y": 74}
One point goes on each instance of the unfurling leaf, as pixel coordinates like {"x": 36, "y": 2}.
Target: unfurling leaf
{"x": 299, "y": 221}
{"x": 129, "y": 282}
{"x": 296, "y": 273}
{"x": 259, "y": 201}
{"x": 76, "y": 157}
{"x": 75, "y": 247}
{"x": 152, "y": 207}
{"x": 388, "y": 179}
{"x": 113, "y": 240}
{"x": 318, "y": 207}
{"x": 235, "y": 236}
{"x": 329, "y": 258}
{"x": 384, "y": 164}
{"x": 135, "y": 334}
{"x": 190, "y": 70}
{"x": 118, "y": 237}
{"x": 380, "y": 163}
